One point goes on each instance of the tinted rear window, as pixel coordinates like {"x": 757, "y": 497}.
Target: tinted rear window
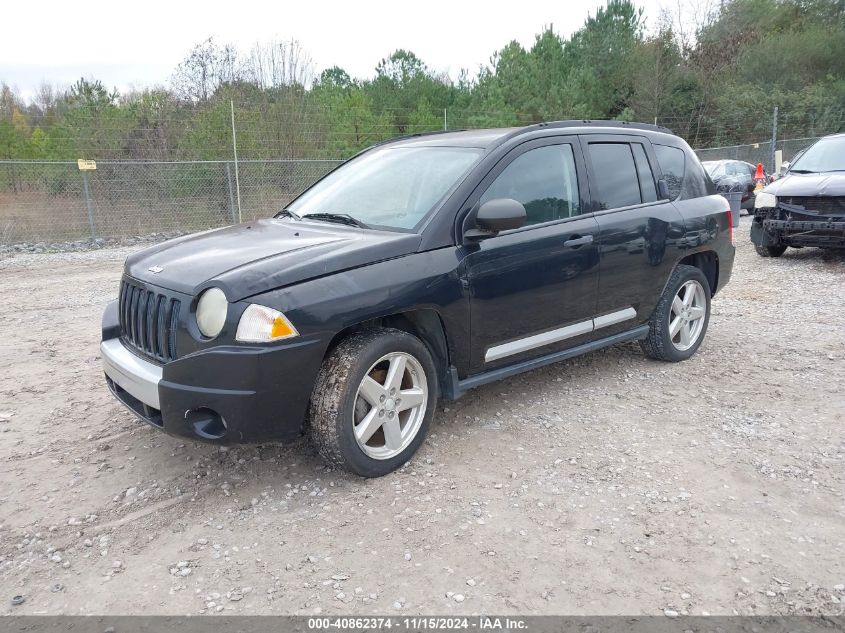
{"x": 616, "y": 173}
{"x": 696, "y": 181}
{"x": 671, "y": 161}
{"x": 685, "y": 177}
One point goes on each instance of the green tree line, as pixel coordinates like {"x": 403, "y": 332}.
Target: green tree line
{"x": 715, "y": 83}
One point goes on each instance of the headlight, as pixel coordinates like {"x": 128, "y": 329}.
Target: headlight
{"x": 765, "y": 200}
{"x": 260, "y": 324}
{"x": 211, "y": 312}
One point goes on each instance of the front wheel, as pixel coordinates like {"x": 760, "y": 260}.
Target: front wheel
{"x": 373, "y": 401}
{"x": 770, "y": 251}
{"x": 679, "y": 322}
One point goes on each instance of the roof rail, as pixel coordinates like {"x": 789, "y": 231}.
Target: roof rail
{"x": 603, "y": 123}
{"x": 521, "y": 130}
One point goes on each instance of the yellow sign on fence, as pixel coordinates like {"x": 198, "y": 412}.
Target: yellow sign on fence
{"x": 86, "y": 165}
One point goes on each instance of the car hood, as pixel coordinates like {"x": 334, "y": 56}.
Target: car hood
{"x": 809, "y": 185}
{"x": 248, "y": 259}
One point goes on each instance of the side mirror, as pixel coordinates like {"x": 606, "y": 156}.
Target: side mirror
{"x": 663, "y": 189}
{"x": 497, "y": 215}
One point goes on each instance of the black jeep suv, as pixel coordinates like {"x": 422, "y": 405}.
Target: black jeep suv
{"x": 420, "y": 268}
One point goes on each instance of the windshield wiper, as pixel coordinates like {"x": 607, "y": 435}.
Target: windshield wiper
{"x": 285, "y": 213}
{"x": 802, "y": 171}
{"x": 338, "y": 218}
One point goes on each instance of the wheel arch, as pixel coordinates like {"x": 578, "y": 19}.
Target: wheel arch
{"x": 708, "y": 263}
{"x": 424, "y": 323}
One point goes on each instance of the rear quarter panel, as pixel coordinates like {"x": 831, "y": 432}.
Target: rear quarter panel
{"x": 707, "y": 228}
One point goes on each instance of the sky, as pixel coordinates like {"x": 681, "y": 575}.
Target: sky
{"x": 127, "y": 44}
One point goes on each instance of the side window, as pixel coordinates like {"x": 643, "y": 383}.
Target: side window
{"x": 616, "y": 175}
{"x": 671, "y": 161}
{"x": 648, "y": 189}
{"x": 544, "y": 180}
{"x": 696, "y": 181}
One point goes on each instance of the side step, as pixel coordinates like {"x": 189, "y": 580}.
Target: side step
{"x": 456, "y": 387}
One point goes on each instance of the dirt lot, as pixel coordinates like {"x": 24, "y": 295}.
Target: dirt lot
{"x": 609, "y": 484}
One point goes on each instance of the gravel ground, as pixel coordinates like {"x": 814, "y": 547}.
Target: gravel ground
{"x": 609, "y": 484}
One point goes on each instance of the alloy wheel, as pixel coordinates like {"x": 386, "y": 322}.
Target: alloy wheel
{"x": 390, "y": 405}
{"x": 686, "y": 318}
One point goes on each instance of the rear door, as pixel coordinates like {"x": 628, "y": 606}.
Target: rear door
{"x": 533, "y": 289}
{"x": 634, "y": 229}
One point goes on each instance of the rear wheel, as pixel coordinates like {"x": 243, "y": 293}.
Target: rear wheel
{"x": 770, "y": 251}
{"x": 679, "y": 321}
{"x": 373, "y": 401}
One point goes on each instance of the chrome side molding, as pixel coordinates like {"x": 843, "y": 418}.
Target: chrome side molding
{"x": 560, "y": 334}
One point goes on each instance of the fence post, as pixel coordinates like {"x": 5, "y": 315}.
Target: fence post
{"x": 235, "y": 151}
{"x": 774, "y": 138}
{"x": 231, "y": 193}
{"x": 87, "y": 193}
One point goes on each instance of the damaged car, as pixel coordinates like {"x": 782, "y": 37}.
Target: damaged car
{"x": 807, "y": 206}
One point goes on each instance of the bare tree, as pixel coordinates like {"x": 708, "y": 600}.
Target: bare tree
{"x": 206, "y": 67}
{"x": 689, "y": 19}
{"x": 46, "y": 97}
{"x": 278, "y": 64}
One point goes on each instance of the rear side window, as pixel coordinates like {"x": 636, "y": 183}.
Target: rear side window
{"x": 648, "y": 190}
{"x": 671, "y": 161}
{"x": 616, "y": 175}
{"x": 684, "y": 175}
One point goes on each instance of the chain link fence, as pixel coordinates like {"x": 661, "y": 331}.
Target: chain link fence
{"x": 55, "y": 202}
{"x": 757, "y": 152}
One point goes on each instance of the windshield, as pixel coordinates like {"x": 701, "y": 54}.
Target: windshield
{"x": 826, "y": 155}
{"x": 391, "y": 188}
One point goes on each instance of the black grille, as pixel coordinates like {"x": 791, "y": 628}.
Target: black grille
{"x": 821, "y": 205}
{"x": 148, "y": 321}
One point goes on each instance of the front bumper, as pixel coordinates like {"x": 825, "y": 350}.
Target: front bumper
{"x": 226, "y": 395}
{"x": 137, "y": 377}
{"x": 807, "y": 232}
{"x": 802, "y": 231}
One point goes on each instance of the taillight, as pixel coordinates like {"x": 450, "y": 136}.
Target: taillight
{"x": 731, "y": 226}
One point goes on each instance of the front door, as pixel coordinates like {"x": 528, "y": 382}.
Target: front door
{"x": 533, "y": 289}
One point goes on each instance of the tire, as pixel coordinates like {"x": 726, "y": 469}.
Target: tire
{"x": 662, "y": 343}
{"x": 352, "y": 433}
{"x": 770, "y": 251}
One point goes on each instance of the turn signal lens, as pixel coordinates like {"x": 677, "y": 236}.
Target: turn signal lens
{"x": 260, "y": 324}
{"x": 281, "y": 328}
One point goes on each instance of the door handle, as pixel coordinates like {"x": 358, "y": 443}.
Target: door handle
{"x": 577, "y": 242}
